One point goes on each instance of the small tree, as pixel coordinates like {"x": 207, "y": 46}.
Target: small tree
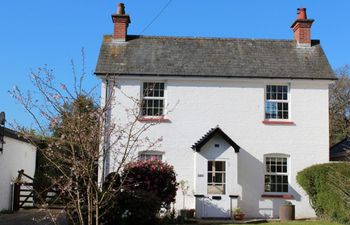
{"x": 339, "y": 106}
{"x": 72, "y": 125}
{"x": 184, "y": 189}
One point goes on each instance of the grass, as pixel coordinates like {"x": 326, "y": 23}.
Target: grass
{"x": 305, "y": 223}
{"x": 301, "y": 223}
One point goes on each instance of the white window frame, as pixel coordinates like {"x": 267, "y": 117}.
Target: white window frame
{"x": 278, "y": 101}
{"x": 213, "y": 171}
{"x": 153, "y": 98}
{"x": 267, "y": 173}
{"x": 151, "y": 154}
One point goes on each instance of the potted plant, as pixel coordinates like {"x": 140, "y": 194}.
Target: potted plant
{"x": 237, "y": 214}
{"x": 190, "y": 213}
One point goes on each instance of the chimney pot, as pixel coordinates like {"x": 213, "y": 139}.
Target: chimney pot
{"x": 121, "y": 9}
{"x": 302, "y": 14}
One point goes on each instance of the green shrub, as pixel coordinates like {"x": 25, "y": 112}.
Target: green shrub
{"x": 328, "y": 187}
{"x": 137, "y": 208}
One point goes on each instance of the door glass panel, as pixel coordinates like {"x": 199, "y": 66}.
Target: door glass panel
{"x": 216, "y": 177}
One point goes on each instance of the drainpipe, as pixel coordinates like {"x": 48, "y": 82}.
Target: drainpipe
{"x": 105, "y": 164}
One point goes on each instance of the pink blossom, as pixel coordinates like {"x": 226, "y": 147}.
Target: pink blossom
{"x": 63, "y": 87}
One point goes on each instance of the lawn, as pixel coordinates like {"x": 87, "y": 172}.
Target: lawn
{"x": 305, "y": 223}
{"x": 300, "y": 223}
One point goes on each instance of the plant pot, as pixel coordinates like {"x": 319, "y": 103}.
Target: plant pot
{"x": 287, "y": 212}
{"x": 190, "y": 214}
{"x": 238, "y": 216}
{"x": 183, "y": 213}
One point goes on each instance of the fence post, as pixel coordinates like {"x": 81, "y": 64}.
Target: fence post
{"x": 16, "y": 196}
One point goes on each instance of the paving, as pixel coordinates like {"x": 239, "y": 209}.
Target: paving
{"x": 34, "y": 217}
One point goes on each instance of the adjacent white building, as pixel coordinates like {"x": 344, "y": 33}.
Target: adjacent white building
{"x": 239, "y": 118}
{"x": 17, "y": 154}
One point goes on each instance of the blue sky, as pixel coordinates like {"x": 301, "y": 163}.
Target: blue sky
{"x": 38, "y": 32}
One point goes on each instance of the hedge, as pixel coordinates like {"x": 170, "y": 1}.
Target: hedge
{"x": 328, "y": 187}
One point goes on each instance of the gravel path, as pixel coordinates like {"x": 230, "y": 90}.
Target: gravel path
{"x": 32, "y": 217}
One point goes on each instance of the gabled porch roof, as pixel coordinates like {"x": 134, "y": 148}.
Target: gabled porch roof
{"x": 209, "y": 135}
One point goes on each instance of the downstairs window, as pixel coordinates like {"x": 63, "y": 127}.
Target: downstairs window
{"x": 276, "y": 173}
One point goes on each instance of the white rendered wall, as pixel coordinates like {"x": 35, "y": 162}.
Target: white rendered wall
{"x": 237, "y": 106}
{"x": 16, "y": 155}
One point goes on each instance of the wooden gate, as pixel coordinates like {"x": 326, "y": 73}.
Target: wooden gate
{"x": 24, "y": 194}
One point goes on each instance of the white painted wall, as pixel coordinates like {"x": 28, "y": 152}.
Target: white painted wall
{"x": 16, "y": 155}
{"x": 237, "y": 106}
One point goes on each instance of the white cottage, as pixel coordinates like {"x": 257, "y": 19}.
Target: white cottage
{"x": 246, "y": 114}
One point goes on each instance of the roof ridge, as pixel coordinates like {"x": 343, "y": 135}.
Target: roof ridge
{"x": 207, "y": 38}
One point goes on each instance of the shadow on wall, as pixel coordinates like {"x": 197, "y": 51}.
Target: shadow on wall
{"x": 251, "y": 179}
{"x": 215, "y": 209}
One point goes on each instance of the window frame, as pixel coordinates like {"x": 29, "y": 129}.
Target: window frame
{"x": 213, "y": 172}
{"x": 150, "y": 153}
{"x": 164, "y": 98}
{"x": 288, "y": 101}
{"x": 288, "y": 173}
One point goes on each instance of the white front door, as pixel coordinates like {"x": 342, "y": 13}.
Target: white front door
{"x": 215, "y": 179}
{"x": 217, "y": 202}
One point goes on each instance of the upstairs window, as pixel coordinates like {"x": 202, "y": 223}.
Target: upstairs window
{"x": 276, "y": 173}
{"x": 153, "y": 99}
{"x": 277, "y": 102}
{"x": 216, "y": 177}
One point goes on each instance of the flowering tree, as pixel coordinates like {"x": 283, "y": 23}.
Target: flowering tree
{"x": 72, "y": 124}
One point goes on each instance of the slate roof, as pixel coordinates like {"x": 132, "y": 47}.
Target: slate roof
{"x": 341, "y": 150}
{"x": 212, "y": 57}
{"x": 209, "y": 135}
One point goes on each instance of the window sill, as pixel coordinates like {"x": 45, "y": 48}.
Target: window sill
{"x": 199, "y": 196}
{"x": 154, "y": 119}
{"x": 276, "y": 122}
{"x": 234, "y": 196}
{"x": 283, "y": 196}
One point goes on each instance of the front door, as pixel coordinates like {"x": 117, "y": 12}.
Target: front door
{"x": 215, "y": 179}
{"x": 217, "y": 203}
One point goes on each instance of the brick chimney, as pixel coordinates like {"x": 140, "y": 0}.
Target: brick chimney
{"x": 302, "y": 28}
{"x": 121, "y": 22}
